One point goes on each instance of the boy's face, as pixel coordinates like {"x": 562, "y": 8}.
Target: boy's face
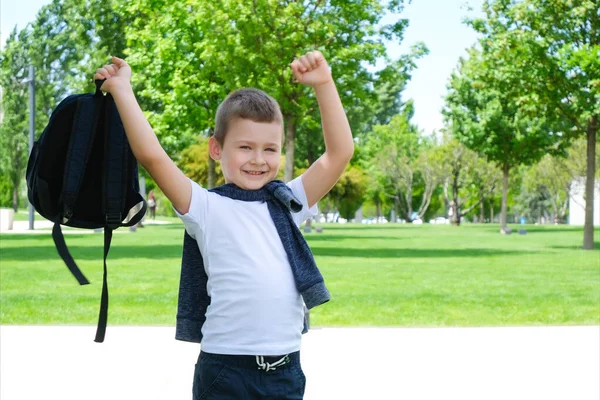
{"x": 251, "y": 153}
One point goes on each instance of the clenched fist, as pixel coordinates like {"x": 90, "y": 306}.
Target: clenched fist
{"x": 311, "y": 69}
{"x": 117, "y": 75}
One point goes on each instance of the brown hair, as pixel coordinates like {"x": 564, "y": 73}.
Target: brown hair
{"x": 248, "y": 103}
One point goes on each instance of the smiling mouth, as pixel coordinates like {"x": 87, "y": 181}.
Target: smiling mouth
{"x": 255, "y": 173}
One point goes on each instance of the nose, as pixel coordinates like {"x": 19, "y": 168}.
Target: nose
{"x": 258, "y": 158}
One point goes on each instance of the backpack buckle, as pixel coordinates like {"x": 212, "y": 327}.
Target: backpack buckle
{"x": 67, "y": 214}
{"x": 113, "y": 219}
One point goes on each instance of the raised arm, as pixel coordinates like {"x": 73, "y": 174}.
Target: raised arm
{"x": 312, "y": 70}
{"x": 144, "y": 143}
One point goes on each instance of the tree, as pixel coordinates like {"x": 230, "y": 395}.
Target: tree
{"x": 547, "y": 186}
{"x": 396, "y": 163}
{"x": 348, "y": 193}
{"x": 194, "y": 162}
{"x": 549, "y": 182}
{"x": 14, "y": 129}
{"x": 253, "y": 43}
{"x": 468, "y": 179}
{"x": 483, "y": 112}
{"x": 554, "y": 45}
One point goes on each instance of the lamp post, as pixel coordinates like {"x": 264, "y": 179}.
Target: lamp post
{"x": 31, "y": 82}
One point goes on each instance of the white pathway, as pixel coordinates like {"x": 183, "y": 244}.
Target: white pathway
{"x": 64, "y": 363}
{"x": 45, "y": 226}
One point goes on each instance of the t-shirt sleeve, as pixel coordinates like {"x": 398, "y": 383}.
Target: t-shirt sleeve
{"x": 298, "y": 189}
{"x": 194, "y": 219}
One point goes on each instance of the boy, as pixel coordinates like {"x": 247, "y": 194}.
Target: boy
{"x": 257, "y": 263}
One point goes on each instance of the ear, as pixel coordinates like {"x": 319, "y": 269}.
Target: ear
{"x": 214, "y": 148}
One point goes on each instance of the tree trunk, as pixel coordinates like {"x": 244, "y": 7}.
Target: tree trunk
{"x": 15, "y": 202}
{"x": 402, "y": 206}
{"x": 456, "y": 218}
{"x": 588, "y": 227}
{"x": 455, "y": 200}
{"x": 290, "y": 133}
{"x": 491, "y": 211}
{"x": 212, "y": 165}
{"x": 378, "y": 209}
{"x": 481, "y": 210}
{"x": 505, "y": 171}
{"x": 446, "y": 199}
{"x": 212, "y": 173}
{"x": 408, "y": 198}
{"x": 310, "y": 150}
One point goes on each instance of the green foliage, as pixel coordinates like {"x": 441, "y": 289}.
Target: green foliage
{"x": 14, "y": 129}
{"x": 547, "y": 51}
{"x": 348, "y": 193}
{"x": 221, "y": 46}
{"x": 6, "y": 199}
{"x": 482, "y": 112}
{"x": 187, "y": 56}
{"x": 546, "y": 187}
{"x": 164, "y": 207}
{"x": 194, "y": 163}
{"x": 398, "y": 160}
{"x": 468, "y": 178}
{"x": 553, "y": 47}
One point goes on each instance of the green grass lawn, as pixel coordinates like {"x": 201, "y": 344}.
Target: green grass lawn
{"x": 378, "y": 275}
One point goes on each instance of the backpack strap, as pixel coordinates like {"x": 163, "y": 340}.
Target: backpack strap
{"x": 115, "y": 166}
{"x": 103, "y": 316}
{"x": 63, "y": 251}
{"x": 83, "y": 132}
{"x": 115, "y": 181}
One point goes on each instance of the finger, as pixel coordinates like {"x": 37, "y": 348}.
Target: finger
{"x": 310, "y": 57}
{"x": 119, "y": 62}
{"x": 295, "y": 66}
{"x": 112, "y": 69}
{"x": 98, "y": 77}
{"x": 305, "y": 64}
{"x": 103, "y": 72}
{"x": 297, "y": 75}
{"x": 319, "y": 57}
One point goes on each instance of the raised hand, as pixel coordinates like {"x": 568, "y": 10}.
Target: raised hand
{"x": 117, "y": 75}
{"x": 311, "y": 69}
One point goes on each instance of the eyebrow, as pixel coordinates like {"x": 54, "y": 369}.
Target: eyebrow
{"x": 251, "y": 142}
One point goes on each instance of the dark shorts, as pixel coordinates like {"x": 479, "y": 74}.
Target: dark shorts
{"x": 221, "y": 377}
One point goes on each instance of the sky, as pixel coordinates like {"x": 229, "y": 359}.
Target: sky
{"x": 437, "y": 23}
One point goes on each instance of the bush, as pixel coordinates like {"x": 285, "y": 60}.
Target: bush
{"x": 5, "y": 192}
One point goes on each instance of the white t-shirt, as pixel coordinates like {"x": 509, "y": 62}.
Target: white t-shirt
{"x": 255, "y": 307}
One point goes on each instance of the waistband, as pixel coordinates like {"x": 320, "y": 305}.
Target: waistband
{"x": 265, "y": 363}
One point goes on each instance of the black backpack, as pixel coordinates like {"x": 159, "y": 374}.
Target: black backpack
{"x": 82, "y": 173}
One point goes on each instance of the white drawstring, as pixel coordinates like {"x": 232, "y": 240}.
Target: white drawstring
{"x": 260, "y": 360}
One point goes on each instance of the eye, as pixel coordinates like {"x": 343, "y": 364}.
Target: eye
{"x": 245, "y": 147}
{"x": 270, "y": 149}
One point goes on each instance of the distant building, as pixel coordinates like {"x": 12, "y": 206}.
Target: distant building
{"x": 577, "y": 203}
